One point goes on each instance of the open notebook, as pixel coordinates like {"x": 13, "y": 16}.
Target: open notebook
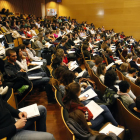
{"x": 72, "y": 65}
{"x": 95, "y": 109}
{"x": 111, "y": 128}
{"x": 89, "y": 93}
{"x": 31, "y": 110}
{"x": 34, "y": 77}
{"x": 37, "y": 62}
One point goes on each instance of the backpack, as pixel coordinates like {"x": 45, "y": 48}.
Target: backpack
{"x": 110, "y": 96}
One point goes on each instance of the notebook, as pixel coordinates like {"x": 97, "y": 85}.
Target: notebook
{"x": 37, "y": 62}
{"x": 95, "y": 109}
{"x": 34, "y": 68}
{"x": 112, "y": 128}
{"x": 69, "y": 52}
{"x": 31, "y": 110}
{"x": 89, "y": 93}
{"x": 72, "y": 65}
{"x": 34, "y": 77}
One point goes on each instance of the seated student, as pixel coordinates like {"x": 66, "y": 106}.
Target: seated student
{"x": 72, "y": 102}
{"x": 131, "y": 74}
{"x": 124, "y": 68}
{"x": 33, "y": 33}
{"x": 14, "y": 74}
{"x": 137, "y": 82}
{"x": 62, "y": 46}
{"x": 31, "y": 52}
{"x": 110, "y": 53}
{"x": 98, "y": 61}
{"x": 24, "y": 128}
{"x": 21, "y": 32}
{"x": 12, "y": 69}
{"x": 133, "y": 63}
{"x": 124, "y": 52}
{"x": 135, "y": 107}
{"x": 110, "y": 79}
{"x": 124, "y": 87}
{"x": 86, "y": 53}
{"x": 129, "y": 57}
{"x": 78, "y": 117}
{"x": 118, "y": 49}
{"x": 101, "y": 70}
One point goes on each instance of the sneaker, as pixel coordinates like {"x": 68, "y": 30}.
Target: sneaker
{"x": 23, "y": 88}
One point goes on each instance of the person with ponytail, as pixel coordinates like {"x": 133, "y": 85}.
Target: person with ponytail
{"x": 72, "y": 102}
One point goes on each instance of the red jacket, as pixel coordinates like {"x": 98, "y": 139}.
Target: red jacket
{"x": 73, "y": 106}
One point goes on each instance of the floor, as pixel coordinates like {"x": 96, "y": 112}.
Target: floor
{"x": 54, "y": 121}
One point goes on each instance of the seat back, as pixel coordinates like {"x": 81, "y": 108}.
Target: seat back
{"x": 11, "y": 101}
{"x": 8, "y": 38}
{"x": 130, "y": 121}
{"x": 135, "y": 89}
{"x": 126, "y": 79}
{"x": 16, "y": 42}
{"x": 120, "y": 75}
{"x": 20, "y": 41}
{"x": 65, "y": 116}
{"x": 121, "y": 57}
{"x": 105, "y": 59}
{"x": 58, "y": 97}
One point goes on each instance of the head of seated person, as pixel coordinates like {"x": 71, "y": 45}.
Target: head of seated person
{"x": 11, "y": 56}
{"x": 132, "y": 72}
{"x": 110, "y": 78}
{"x": 124, "y": 67}
{"x": 73, "y": 90}
{"x": 63, "y": 41}
{"x": 110, "y": 53}
{"x": 98, "y": 61}
{"x": 101, "y": 70}
{"x": 27, "y": 44}
{"x": 137, "y": 82}
{"x": 134, "y": 58}
{"x": 60, "y": 52}
{"x": 67, "y": 77}
{"x": 124, "y": 87}
{"x": 18, "y": 53}
{"x": 129, "y": 56}
{"x": 57, "y": 61}
{"x": 23, "y": 49}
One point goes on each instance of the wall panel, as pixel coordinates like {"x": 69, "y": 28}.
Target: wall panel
{"x": 122, "y": 15}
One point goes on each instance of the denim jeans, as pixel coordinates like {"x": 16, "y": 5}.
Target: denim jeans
{"x": 27, "y": 132}
{"x": 104, "y": 117}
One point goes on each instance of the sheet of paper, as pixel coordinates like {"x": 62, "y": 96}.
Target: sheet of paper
{"x": 118, "y": 61}
{"x": 48, "y": 45}
{"x": 34, "y": 68}
{"x": 89, "y": 93}
{"x": 81, "y": 73}
{"x": 69, "y": 52}
{"x": 112, "y": 128}
{"x": 31, "y": 110}
{"x": 109, "y": 66}
{"x": 34, "y": 77}
{"x": 95, "y": 109}
{"x": 37, "y": 62}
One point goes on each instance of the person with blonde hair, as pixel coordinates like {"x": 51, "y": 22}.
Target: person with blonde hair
{"x": 124, "y": 68}
{"x": 129, "y": 57}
